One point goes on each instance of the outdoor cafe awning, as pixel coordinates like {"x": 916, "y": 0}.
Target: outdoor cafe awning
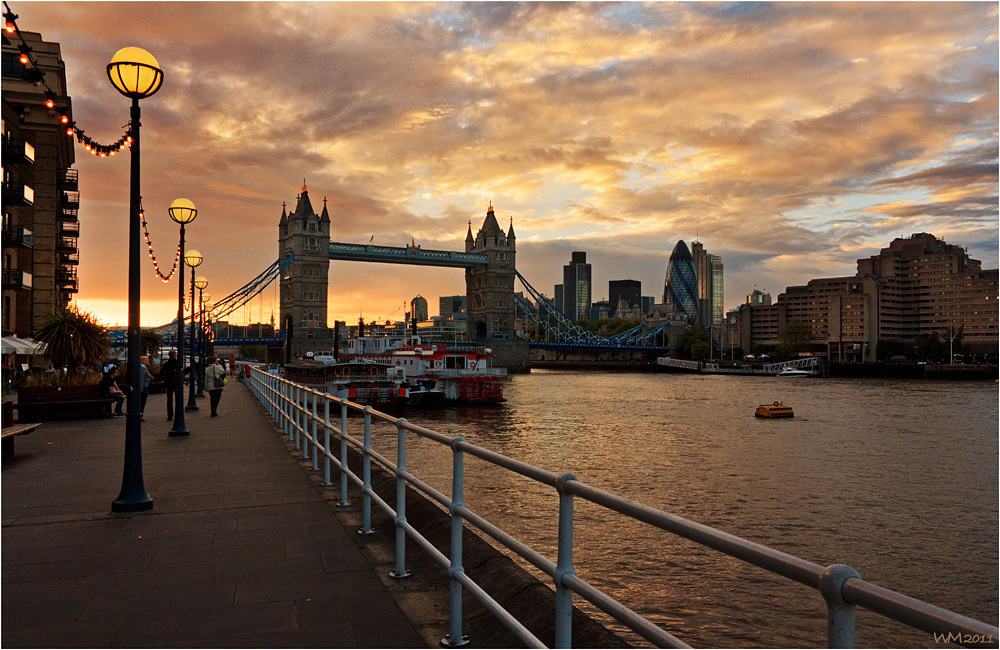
{"x": 14, "y": 345}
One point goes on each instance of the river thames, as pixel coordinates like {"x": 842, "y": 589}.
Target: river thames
{"x": 896, "y": 478}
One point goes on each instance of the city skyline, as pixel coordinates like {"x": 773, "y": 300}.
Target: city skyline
{"x": 792, "y": 139}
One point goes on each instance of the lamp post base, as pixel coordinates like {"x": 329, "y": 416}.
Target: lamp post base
{"x": 132, "y": 505}
{"x": 174, "y": 433}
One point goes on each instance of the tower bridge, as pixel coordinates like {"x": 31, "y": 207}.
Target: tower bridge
{"x": 489, "y": 261}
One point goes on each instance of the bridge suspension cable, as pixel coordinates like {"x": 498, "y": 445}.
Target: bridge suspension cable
{"x": 567, "y": 329}
{"x": 250, "y": 290}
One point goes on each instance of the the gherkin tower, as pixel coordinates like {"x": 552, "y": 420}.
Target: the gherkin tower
{"x": 680, "y": 287}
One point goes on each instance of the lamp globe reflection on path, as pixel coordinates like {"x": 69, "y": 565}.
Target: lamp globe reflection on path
{"x": 200, "y": 283}
{"x": 135, "y": 73}
{"x": 193, "y": 259}
{"x": 183, "y": 212}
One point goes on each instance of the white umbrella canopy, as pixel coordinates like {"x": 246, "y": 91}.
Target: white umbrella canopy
{"x": 14, "y": 345}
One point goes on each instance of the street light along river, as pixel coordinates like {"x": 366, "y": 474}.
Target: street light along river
{"x": 895, "y": 478}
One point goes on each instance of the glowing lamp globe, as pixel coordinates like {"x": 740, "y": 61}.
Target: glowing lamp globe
{"x": 201, "y": 282}
{"x": 193, "y": 258}
{"x": 183, "y": 211}
{"x": 204, "y": 300}
{"x": 135, "y": 72}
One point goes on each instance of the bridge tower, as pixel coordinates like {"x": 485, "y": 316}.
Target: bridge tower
{"x": 304, "y": 282}
{"x": 489, "y": 300}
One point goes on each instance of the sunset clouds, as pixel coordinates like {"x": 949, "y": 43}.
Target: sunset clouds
{"x": 791, "y": 138}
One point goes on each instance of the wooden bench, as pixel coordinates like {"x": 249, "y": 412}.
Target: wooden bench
{"x": 8, "y": 434}
{"x": 62, "y": 403}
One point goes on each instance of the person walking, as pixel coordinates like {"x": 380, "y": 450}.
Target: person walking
{"x": 169, "y": 374}
{"x": 215, "y": 381}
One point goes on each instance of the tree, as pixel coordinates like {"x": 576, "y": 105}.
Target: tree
{"x": 72, "y": 337}
{"x": 150, "y": 342}
{"x": 695, "y": 344}
{"x": 795, "y": 337}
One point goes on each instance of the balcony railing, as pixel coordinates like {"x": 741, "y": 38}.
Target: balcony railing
{"x": 69, "y": 214}
{"x": 70, "y": 200}
{"x": 70, "y": 229}
{"x": 17, "y": 236}
{"x": 66, "y": 244}
{"x": 70, "y": 180}
{"x": 69, "y": 258}
{"x": 17, "y": 280}
{"x": 18, "y": 194}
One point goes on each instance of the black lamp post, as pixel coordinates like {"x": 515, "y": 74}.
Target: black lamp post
{"x": 135, "y": 73}
{"x": 183, "y": 212}
{"x": 203, "y": 299}
{"x": 193, "y": 259}
{"x": 200, "y": 283}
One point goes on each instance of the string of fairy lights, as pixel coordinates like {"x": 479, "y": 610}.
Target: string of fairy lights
{"x": 34, "y": 74}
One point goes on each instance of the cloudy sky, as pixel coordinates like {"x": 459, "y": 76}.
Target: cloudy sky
{"x": 791, "y": 139}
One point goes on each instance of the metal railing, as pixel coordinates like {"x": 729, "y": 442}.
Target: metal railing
{"x": 304, "y": 415}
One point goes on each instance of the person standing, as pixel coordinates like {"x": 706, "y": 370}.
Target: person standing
{"x": 215, "y": 381}
{"x": 147, "y": 379}
{"x": 169, "y": 374}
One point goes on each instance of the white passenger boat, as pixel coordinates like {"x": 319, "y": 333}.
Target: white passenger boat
{"x": 462, "y": 375}
{"x": 794, "y": 372}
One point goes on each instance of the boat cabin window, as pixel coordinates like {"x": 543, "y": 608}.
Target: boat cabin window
{"x": 454, "y": 363}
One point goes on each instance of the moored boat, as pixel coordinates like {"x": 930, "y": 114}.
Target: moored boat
{"x": 794, "y": 372}
{"x": 775, "y": 410}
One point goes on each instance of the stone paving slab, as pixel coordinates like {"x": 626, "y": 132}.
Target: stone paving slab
{"x": 240, "y": 550}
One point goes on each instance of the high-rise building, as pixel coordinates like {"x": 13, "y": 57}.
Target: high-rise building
{"x": 452, "y": 307}
{"x": 41, "y": 195}
{"x": 758, "y": 298}
{"x": 418, "y": 308}
{"x": 558, "y": 299}
{"x": 711, "y": 289}
{"x": 628, "y": 290}
{"x": 680, "y": 287}
{"x": 577, "y": 287}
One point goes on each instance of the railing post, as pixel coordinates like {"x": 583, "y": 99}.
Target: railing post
{"x": 400, "y": 570}
{"x": 343, "y": 455}
{"x": 839, "y": 612}
{"x": 366, "y": 477}
{"x": 326, "y": 440}
{"x": 289, "y": 423}
{"x": 311, "y": 447}
{"x": 564, "y": 565}
{"x": 455, "y": 638}
{"x": 298, "y": 417}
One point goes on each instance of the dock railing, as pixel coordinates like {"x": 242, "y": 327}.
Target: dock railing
{"x": 304, "y": 415}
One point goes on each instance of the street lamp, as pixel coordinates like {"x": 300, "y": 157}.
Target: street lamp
{"x": 200, "y": 283}
{"x": 136, "y": 74}
{"x": 183, "y": 212}
{"x": 193, "y": 259}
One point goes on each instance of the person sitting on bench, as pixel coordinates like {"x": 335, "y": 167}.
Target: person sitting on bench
{"x": 110, "y": 389}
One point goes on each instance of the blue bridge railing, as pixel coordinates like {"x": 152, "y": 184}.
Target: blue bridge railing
{"x": 304, "y": 415}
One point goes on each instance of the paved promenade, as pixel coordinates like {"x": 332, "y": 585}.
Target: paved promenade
{"x": 240, "y": 550}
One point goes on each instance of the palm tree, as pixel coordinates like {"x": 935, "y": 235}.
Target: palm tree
{"x": 72, "y": 337}
{"x": 150, "y": 341}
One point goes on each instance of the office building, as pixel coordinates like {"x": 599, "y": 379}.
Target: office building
{"x": 711, "y": 289}
{"x": 41, "y": 195}
{"x": 918, "y": 285}
{"x": 680, "y": 287}
{"x": 577, "y": 287}
{"x": 418, "y": 308}
{"x": 758, "y": 298}
{"x": 628, "y": 290}
{"x": 452, "y": 307}
{"x": 558, "y": 299}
